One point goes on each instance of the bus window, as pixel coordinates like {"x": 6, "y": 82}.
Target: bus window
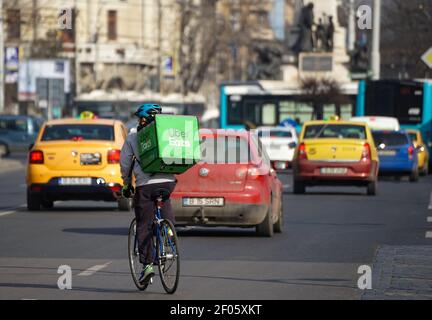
{"x": 329, "y": 111}
{"x": 305, "y": 112}
{"x": 301, "y": 112}
{"x": 286, "y": 110}
{"x": 235, "y": 112}
{"x": 269, "y": 114}
{"x": 346, "y": 111}
{"x": 252, "y": 112}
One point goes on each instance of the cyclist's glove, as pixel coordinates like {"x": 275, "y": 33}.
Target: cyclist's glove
{"x": 128, "y": 191}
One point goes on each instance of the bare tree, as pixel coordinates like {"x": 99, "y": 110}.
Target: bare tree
{"x": 406, "y": 35}
{"x": 319, "y": 92}
{"x": 199, "y": 38}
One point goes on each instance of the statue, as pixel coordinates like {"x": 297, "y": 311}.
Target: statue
{"x": 330, "y": 34}
{"x": 305, "y": 41}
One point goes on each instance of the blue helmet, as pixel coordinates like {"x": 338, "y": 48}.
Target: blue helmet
{"x": 148, "y": 110}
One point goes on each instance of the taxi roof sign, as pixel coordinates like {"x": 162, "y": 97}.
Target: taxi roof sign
{"x": 87, "y": 115}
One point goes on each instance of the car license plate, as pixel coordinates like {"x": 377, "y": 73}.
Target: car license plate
{"x": 75, "y": 181}
{"x": 203, "y": 202}
{"x": 334, "y": 170}
{"x": 275, "y": 146}
{"x": 387, "y": 153}
{"x": 91, "y": 158}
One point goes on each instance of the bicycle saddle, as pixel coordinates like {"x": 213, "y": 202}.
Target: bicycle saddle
{"x": 161, "y": 193}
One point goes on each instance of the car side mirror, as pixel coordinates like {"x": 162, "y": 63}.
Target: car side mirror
{"x": 292, "y": 145}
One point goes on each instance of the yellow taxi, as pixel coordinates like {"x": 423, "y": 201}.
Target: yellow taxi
{"x": 422, "y": 151}
{"x": 76, "y": 159}
{"x": 336, "y": 153}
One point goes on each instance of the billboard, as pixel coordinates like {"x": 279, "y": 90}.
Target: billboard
{"x": 31, "y": 70}
{"x": 11, "y": 64}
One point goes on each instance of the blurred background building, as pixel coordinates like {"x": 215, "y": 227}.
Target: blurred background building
{"x": 117, "y": 53}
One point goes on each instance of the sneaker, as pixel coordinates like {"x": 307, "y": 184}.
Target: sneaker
{"x": 170, "y": 233}
{"x": 147, "y": 274}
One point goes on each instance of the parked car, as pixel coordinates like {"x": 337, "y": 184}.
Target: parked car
{"x": 17, "y": 133}
{"x": 76, "y": 159}
{"x": 336, "y": 153}
{"x": 234, "y": 185}
{"x": 397, "y": 153}
{"x": 280, "y": 144}
{"x": 422, "y": 151}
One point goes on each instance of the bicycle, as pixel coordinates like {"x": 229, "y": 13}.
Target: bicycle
{"x": 166, "y": 248}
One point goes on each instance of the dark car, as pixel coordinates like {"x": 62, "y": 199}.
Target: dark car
{"x": 17, "y": 133}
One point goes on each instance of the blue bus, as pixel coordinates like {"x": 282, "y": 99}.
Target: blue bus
{"x": 269, "y": 103}
{"x": 408, "y": 101}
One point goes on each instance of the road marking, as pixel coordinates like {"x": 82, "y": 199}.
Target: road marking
{"x": 430, "y": 202}
{"x": 11, "y": 210}
{"x": 6, "y": 213}
{"x": 429, "y": 219}
{"x": 91, "y": 271}
{"x": 287, "y": 186}
{"x": 429, "y": 234}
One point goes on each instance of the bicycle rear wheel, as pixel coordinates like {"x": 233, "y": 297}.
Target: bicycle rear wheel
{"x": 168, "y": 256}
{"x": 134, "y": 261}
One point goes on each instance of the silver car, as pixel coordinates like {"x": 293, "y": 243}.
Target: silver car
{"x": 17, "y": 133}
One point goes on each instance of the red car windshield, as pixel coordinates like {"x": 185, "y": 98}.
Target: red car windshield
{"x": 228, "y": 150}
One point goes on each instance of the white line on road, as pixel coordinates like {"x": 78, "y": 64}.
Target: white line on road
{"x": 11, "y": 210}
{"x": 91, "y": 271}
{"x": 429, "y": 219}
{"x": 6, "y": 213}
{"x": 430, "y": 202}
{"x": 429, "y": 234}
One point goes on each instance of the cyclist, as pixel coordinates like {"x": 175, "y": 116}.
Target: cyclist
{"x": 145, "y": 185}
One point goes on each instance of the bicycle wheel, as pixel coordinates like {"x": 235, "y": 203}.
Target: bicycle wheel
{"x": 168, "y": 256}
{"x": 134, "y": 261}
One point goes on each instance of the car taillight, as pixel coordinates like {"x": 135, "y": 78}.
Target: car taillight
{"x": 36, "y": 157}
{"x": 410, "y": 152}
{"x": 366, "y": 153}
{"x": 114, "y": 156}
{"x": 255, "y": 172}
{"x": 116, "y": 189}
{"x": 302, "y": 151}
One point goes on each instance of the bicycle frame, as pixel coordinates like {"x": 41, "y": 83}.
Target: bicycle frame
{"x": 158, "y": 221}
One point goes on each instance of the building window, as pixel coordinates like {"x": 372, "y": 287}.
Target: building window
{"x": 13, "y": 24}
{"x": 112, "y": 25}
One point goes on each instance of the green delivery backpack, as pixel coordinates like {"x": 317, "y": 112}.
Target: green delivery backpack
{"x": 169, "y": 145}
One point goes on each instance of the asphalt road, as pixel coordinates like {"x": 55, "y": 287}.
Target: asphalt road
{"x": 329, "y": 234}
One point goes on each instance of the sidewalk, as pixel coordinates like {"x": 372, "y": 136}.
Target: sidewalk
{"x": 11, "y": 165}
{"x": 401, "y": 273}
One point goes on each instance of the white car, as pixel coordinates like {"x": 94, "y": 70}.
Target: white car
{"x": 379, "y": 123}
{"x": 280, "y": 144}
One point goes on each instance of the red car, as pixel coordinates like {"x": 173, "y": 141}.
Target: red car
{"x": 234, "y": 185}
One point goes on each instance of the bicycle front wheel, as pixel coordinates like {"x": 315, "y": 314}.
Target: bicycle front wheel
{"x": 134, "y": 261}
{"x": 168, "y": 256}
